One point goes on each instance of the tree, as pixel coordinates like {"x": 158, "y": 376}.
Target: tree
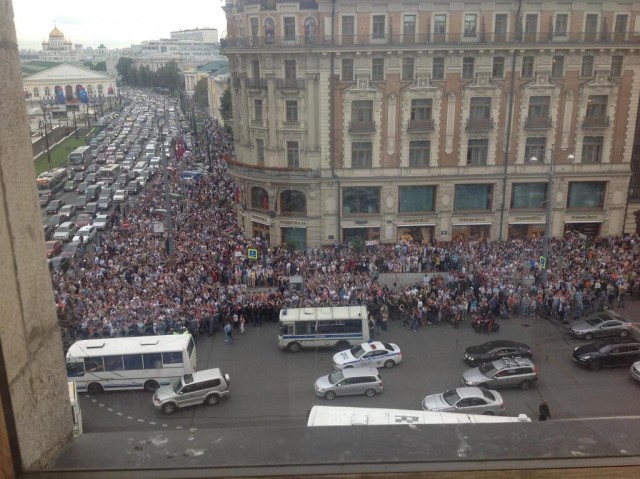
{"x": 125, "y": 70}
{"x": 201, "y": 94}
{"x": 226, "y": 109}
{"x": 100, "y": 67}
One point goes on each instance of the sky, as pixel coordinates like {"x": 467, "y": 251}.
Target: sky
{"x": 114, "y": 23}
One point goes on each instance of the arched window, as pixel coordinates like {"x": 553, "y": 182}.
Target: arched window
{"x": 293, "y": 202}
{"x": 259, "y": 198}
{"x": 36, "y": 92}
{"x": 269, "y": 30}
{"x": 310, "y": 31}
{"x": 47, "y": 91}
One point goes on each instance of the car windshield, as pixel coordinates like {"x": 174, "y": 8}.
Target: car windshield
{"x": 488, "y": 394}
{"x": 451, "y": 397}
{"x": 487, "y": 369}
{"x": 594, "y": 321}
{"x": 335, "y": 377}
{"x": 357, "y": 351}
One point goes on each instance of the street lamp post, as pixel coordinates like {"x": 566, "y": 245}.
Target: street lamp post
{"x": 46, "y": 136}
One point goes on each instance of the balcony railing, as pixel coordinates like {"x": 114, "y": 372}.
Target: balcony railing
{"x": 362, "y": 126}
{"x": 541, "y": 37}
{"x": 421, "y": 125}
{"x": 595, "y": 122}
{"x": 290, "y": 83}
{"x": 479, "y": 123}
{"x": 259, "y": 83}
{"x": 540, "y": 123}
{"x": 269, "y": 172}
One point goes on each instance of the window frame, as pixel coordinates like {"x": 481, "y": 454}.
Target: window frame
{"x": 555, "y": 61}
{"x": 258, "y": 110}
{"x": 498, "y": 62}
{"x": 438, "y": 68}
{"x": 470, "y": 25}
{"x": 586, "y": 64}
{"x": 377, "y": 70}
{"x": 535, "y": 146}
{"x": 364, "y": 156}
{"x": 560, "y": 32}
{"x": 291, "y": 111}
{"x": 477, "y": 151}
{"x": 528, "y": 66}
{"x": 346, "y": 65}
{"x": 376, "y": 24}
{"x": 408, "y": 63}
{"x": 293, "y": 154}
{"x": 617, "y": 66}
{"x": 468, "y": 63}
{"x": 289, "y": 23}
{"x": 592, "y": 149}
{"x": 419, "y": 153}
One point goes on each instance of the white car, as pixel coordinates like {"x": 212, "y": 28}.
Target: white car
{"x": 466, "y": 400}
{"x": 102, "y": 222}
{"x": 120, "y": 196}
{"x": 86, "y": 233}
{"x": 375, "y": 354}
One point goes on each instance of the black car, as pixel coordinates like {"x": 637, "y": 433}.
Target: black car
{"x": 502, "y": 348}
{"x": 54, "y": 206}
{"x": 611, "y": 353}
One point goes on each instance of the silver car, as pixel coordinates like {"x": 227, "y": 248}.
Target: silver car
{"x": 351, "y": 381}
{"x": 202, "y": 387}
{"x": 466, "y": 400}
{"x": 604, "y": 324}
{"x": 506, "y": 372}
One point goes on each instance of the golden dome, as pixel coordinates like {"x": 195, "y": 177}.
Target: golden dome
{"x": 56, "y": 33}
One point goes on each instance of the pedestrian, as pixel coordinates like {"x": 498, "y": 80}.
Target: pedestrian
{"x": 228, "y": 333}
{"x": 384, "y": 312}
{"x": 372, "y": 326}
{"x": 545, "y": 413}
{"x": 242, "y": 321}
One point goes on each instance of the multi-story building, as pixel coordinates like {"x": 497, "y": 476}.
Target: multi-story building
{"x": 204, "y": 35}
{"x": 376, "y": 120}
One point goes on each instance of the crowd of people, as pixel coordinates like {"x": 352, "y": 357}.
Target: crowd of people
{"x": 126, "y": 284}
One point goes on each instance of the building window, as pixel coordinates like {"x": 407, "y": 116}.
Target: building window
{"x": 347, "y": 69}
{"x": 592, "y": 149}
{"x": 527, "y": 66}
{"x": 290, "y": 70}
{"x": 289, "y": 28}
{"x": 591, "y": 27}
{"x": 468, "y": 64}
{"x": 292, "y": 111}
{"x": 530, "y": 27}
{"x": 293, "y": 202}
{"x": 36, "y": 92}
{"x": 473, "y": 197}
{"x": 255, "y": 69}
{"x": 419, "y": 153}
{"x": 409, "y": 28}
{"x": 348, "y": 25}
{"x": 361, "y": 200}
{"x": 421, "y": 109}
{"x": 528, "y": 195}
{"x": 377, "y": 69}
{"x": 620, "y": 27}
{"x": 293, "y": 154}
{"x": 407, "y": 68}
{"x": 616, "y": 65}
{"x": 47, "y": 91}
{"x": 477, "y": 152}
{"x": 562, "y": 20}
{"x": 439, "y": 27}
{"x": 415, "y": 199}
{"x": 539, "y": 108}
{"x": 500, "y": 27}
{"x": 586, "y": 70}
{"x": 259, "y": 198}
{"x": 498, "y": 67}
{"x": 361, "y": 110}
{"x": 535, "y": 148}
{"x": 470, "y": 24}
{"x": 597, "y": 106}
{"x": 557, "y": 66}
{"x": 361, "y": 154}
{"x": 378, "y": 26}
{"x": 480, "y": 108}
{"x": 260, "y": 151}
{"x": 586, "y": 194}
{"x": 257, "y": 110}
{"x": 438, "y": 68}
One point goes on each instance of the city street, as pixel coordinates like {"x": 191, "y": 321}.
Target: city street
{"x": 270, "y": 387}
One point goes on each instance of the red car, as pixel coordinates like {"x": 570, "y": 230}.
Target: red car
{"x": 54, "y": 247}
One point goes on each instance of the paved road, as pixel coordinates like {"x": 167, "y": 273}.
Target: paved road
{"x": 272, "y": 388}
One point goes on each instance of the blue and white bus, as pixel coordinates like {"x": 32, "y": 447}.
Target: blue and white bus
{"x": 328, "y": 326}
{"x": 80, "y": 158}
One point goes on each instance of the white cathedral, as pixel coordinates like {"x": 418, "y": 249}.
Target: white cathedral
{"x": 59, "y": 48}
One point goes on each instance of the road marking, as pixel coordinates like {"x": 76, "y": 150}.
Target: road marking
{"x": 165, "y": 425}
{"x": 101, "y": 405}
{"x": 119, "y": 413}
{"x": 140, "y": 420}
{"x": 110, "y": 409}
{"x": 129, "y": 417}
{"x": 601, "y": 418}
{"x": 152, "y": 423}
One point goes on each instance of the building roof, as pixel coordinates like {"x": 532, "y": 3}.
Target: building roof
{"x": 29, "y": 68}
{"x": 56, "y": 33}
{"x": 65, "y": 72}
{"x": 213, "y": 66}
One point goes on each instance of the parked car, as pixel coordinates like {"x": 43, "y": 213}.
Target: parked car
{"x": 505, "y": 372}
{"x": 86, "y": 234}
{"x": 102, "y": 222}
{"x": 81, "y": 201}
{"x": 68, "y": 211}
{"x": 608, "y": 323}
{"x": 84, "y": 219}
{"x": 469, "y": 400}
{"x": 351, "y": 381}
{"x": 375, "y": 354}
{"x": 65, "y": 231}
{"x": 492, "y": 350}
{"x": 54, "y": 206}
{"x": 69, "y": 186}
{"x": 120, "y": 196}
{"x": 607, "y": 353}
{"x": 53, "y": 248}
{"x": 206, "y": 387}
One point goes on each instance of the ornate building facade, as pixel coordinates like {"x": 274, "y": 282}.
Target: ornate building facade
{"x": 377, "y": 120}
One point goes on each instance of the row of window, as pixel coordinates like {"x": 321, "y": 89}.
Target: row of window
{"x": 472, "y": 26}
{"x": 47, "y": 90}
{"x": 422, "y": 198}
{"x": 126, "y": 362}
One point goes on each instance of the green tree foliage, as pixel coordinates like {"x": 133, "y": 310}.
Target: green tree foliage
{"x": 100, "y": 67}
{"x": 226, "y": 110}
{"x": 167, "y": 77}
{"x": 201, "y": 95}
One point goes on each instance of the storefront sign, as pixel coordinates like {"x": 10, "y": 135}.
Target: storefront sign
{"x": 411, "y": 221}
{"x": 293, "y": 222}
{"x": 529, "y": 219}
{"x": 361, "y": 222}
{"x": 585, "y": 218}
{"x": 474, "y": 219}
{"x": 260, "y": 219}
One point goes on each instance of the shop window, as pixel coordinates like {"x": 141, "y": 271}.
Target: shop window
{"x": 473, "y": 197}
{"x": 414, "y": 199}
{"x": 586, "y": 195}
{"x": 528, "y": 195}
{"x": 359, "y": 200}
{"x": 293, "y": 202}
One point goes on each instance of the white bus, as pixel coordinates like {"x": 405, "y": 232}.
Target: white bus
{"x": 142, "y": 362}
{"x": 109, "y": 173}
{"x": 364, "y": 416}
{"x": 330, "y": 326}
{"x": 80, "y": 158}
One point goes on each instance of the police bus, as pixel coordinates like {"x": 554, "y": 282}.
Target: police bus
{"x": 80, "y": 158}
{"x": 141, "y": 362}
{"x": 327, "y": 326}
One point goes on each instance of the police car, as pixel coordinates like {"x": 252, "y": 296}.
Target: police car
{"x": 376, "y": 354}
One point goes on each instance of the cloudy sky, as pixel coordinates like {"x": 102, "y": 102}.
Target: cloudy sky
{"x": 115, "y": 23}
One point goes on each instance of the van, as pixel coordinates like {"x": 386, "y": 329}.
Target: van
{"x": 207, "y": 387}
{"x": 349, "y": 382}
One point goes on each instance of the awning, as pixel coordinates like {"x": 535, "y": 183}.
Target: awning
{"x": 415, "y": 224}
{"x": 293, "y": 226}
{"x": 360, "y": 226}
{"x": 584, "y": 221}
{"x": 470, "y": 224}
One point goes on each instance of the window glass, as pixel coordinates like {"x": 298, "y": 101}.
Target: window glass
{"x": 419, "y": 153}
{"x": 528, "y": 195}
{"x": 470, "y": 24}
{"x": 152, "y": 361}
{"x": 257, "y": 110}
{"x": 592, "y": 149}
{"x": 291, "y": 107}
{"x": 360, "y": 200}
{"x": 562, "y": 20}
{"x": 75, "y": 369}
{"x": 293, "y": 201}
{"x": 473, "y": 197}
{"x": 586, "y": 70}
{"x": 498, "y": 67}
{"x": 113, "y": 363}
{"x": 438, "y": 68}
{"x": 468, "y": 64}
{"x": 377, "y": 69}
{"x": 616, "y": 65}
{"x": 586, "y": 195}
{"x": 172, "y": 358}
{"x": 347, "y": 69}
{"x": 477, "y": 151}
{"x": 293, "y": 154}
{"x": 94, "y": 365}
{"x": 361, "y": 154}
{"x": 378, "y": 26}
{"x": 527, "y": 66}
{"x": 407, "y": 68}
{"x": 557, "y": 66}
{"x": 132, "y": 361}
{"x": 416, "y": 198}
{"x": 535, "y": 148}
{"x": 289, "y": 28}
